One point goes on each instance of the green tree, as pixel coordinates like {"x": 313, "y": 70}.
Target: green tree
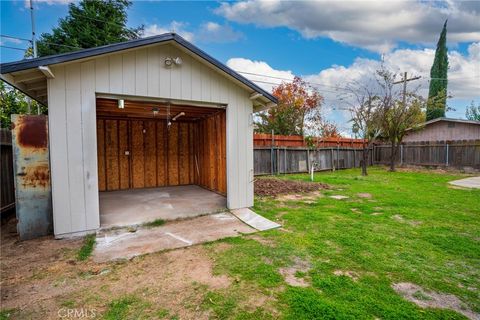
{"x": 437, "y": 94}
{"x": 473, "y": 112}
{"x": 13, "y": 101}
{"x": 90, "y": 23}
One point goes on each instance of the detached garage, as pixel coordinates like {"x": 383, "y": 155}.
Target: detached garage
{"x": 141, "y": 130}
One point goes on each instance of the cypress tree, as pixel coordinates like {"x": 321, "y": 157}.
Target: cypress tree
{"x": 437, "y": 94}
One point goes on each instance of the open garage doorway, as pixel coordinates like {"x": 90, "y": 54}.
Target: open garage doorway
{"x": 159, "y": 161}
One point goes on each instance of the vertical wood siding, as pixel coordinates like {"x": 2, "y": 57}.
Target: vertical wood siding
{"x": 141, "y": 72}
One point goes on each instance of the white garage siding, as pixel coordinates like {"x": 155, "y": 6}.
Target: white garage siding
{"x": 138, "y": 72}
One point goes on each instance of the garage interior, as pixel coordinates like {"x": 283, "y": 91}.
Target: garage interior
{"x": 159, "y": 160}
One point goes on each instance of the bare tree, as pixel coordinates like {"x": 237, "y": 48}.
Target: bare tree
{"x": 397, "y": 113}
{"x": 364, "y": 105}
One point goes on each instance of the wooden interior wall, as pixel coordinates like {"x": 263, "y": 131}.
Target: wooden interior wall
{"x": 137, "y": 153}
{"x": 142, "y": 154}
{"x": 211, "y": 152}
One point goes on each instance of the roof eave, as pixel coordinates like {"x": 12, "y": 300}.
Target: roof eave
{"x": 10, "y": 67}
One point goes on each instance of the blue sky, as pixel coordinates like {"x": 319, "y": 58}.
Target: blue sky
{"x": 329, "y": 43}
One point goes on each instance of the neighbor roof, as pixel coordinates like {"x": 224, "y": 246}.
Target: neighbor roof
{"x": 91, "y": 52}
{"x": 424, "y": 124}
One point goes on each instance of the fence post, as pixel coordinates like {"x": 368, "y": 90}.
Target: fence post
{"x": 271, "y": 160}
{"x": 308, "y": 159}
{"x": 332, "y": 160}
{"x": 446, "y": 155}
{"x": 278, "y": 160}
{"x": 271, "y": 153}
{"x": 354, "y": 158}
{"x": 374, "y": 154}
{"x": 338, "y": 155}
{"x": 285, "y": 160}
{"x": 401, "y": 154}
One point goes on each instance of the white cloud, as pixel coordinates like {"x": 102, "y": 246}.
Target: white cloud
{"x": 5, "y": 40}
{"x": 49, "y": 2}
{"x": 463, "y": 84}
{"x": 248, "y": 68}
{"x": 206, "y": 32}
{"x": 174, "y": 26}
{"x": 375, "y": 25}
{"x": 214, "y": 32}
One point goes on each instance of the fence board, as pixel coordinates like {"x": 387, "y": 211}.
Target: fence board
{"x": 275, "y": 160}
{"x": 6, "y": 172}
{"x": 457, "y": 154}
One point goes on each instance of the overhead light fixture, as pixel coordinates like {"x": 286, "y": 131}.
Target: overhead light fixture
{"x": 155, "y": 111}
{"x": 121, "y": 104}
{"x": 178, "y": 116}
{"x": 169, "y": 61}
{"x": 178, "y": 61}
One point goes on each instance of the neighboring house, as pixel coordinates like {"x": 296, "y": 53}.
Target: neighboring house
{"x": 444, "y": 129}
{"x": 151, "y": 112}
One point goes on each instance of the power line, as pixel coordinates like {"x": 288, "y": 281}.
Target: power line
{"x": 16, "y": 38}
{"x": 46, "y": 42}
{"x": 14, "y": 48}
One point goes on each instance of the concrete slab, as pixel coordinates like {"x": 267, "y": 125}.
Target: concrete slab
{"x": 254, "y": 220}
{"x": 121, "y": 244}
{"x": 473, "y": 183}
{"x": 136, "y": 206}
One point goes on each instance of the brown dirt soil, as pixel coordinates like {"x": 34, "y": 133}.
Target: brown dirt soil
{"x": 431, "y": 299}
{"x": 275, "y": 187}
{"x": 288, "y": 273}
{"x": 39, "y": 277}
{"x": 347, "y": 273}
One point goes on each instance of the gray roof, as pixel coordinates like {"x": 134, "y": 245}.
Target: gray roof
{"x": 421, "y": 125}
{"x": 452, "y": 120}
{"x": 91, "y": 52}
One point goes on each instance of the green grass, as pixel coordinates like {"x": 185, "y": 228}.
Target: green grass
{"x": 154, "y": 223}
{"x": 87, "y": 248}
{"x": 6, "y": 314}
{"x": 422, "y": 232}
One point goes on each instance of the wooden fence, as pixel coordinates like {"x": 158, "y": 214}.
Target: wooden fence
{"x": 457, "y": 154}
{"x": 275, "y": 160}
{"x": 6, "y": 171}
{"x": 268, "y": 140}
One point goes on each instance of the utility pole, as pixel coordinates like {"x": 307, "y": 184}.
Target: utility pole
{"x": 35, "y": 53}
{"x": 34, "y": 40}
{"x": 404, "y": 81}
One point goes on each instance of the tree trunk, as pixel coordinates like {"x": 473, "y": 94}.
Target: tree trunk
{"x": 393, "y": 154}
{"x": 364, "y": 160}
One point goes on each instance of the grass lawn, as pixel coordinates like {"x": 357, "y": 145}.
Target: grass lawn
{"x": 349, "y": 252}
{"x": 333, "y": 259}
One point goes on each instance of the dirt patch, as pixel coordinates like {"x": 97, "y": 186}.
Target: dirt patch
{"x": 290, "y": 274}
{"x": 364, "y": 195}
{"x": 338, "y": 197}
{"x": 265, "y": 241}
{"x": 40, "y": 276}
{"x": 376, "y": 213}
{"x": 275, "y": 187}
{"x": 431, "y": 299}
{"x": 400, "y": 218}
{"x": 310, "y": 197}
{"x": 347, "y": 273}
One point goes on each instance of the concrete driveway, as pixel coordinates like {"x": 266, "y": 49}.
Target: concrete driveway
{"x": 473, "y": 183}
